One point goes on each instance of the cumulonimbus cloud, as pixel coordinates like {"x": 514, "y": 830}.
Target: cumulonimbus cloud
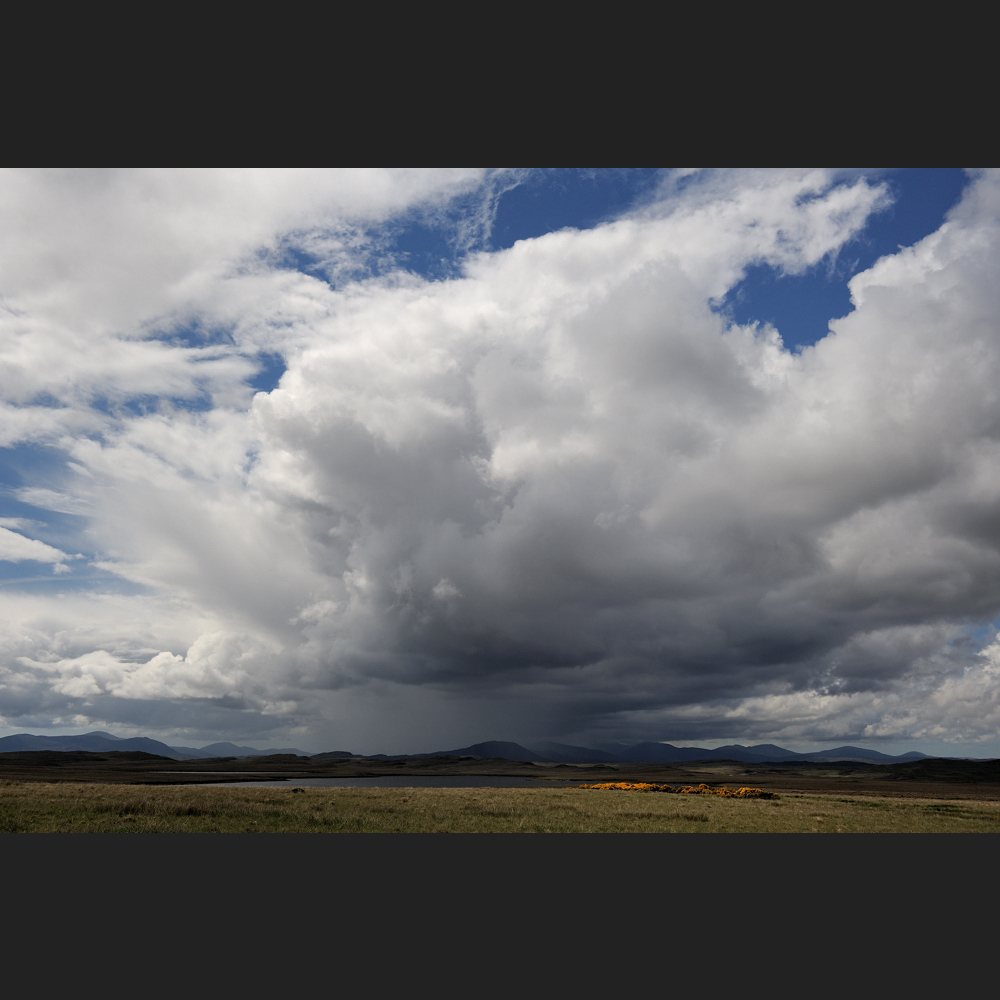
{"x": 560, "y": 494}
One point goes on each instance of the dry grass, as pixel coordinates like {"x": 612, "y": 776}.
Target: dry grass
{"x": 90, "y": 808}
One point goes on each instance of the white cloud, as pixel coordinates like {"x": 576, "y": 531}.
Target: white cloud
{"x": 15, "y": 547}
{"x": 217, "y": 665}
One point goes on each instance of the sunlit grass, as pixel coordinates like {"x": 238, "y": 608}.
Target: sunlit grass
{"x": 90, "y": 808}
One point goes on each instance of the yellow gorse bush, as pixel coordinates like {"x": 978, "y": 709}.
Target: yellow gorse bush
{"x": 702, "y": 789}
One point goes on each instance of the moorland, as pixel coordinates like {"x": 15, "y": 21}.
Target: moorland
{"x": 140, "y": 792}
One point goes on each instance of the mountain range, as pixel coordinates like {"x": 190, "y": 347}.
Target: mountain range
{"x": 546, "y": 752}
{"x": 99, "y": 742}
{"x": 660, "y": 753}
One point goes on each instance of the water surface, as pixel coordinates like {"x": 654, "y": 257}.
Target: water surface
{"x": 390, "y": 781}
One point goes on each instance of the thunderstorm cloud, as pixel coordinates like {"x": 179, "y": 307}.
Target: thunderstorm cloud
{"x": 555, "y": 492}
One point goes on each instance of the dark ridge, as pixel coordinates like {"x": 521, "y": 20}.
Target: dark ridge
{"x": 946, "y": 769}
{"x": 67, "y": 758}
{"x": 191, "y": 753}
{"x": 640, "y": 753}
{"x": 762, "y": 753}
{"x": 232, "y": 750}
{"x": 270, "y": 758}
{"x": 860, "y": 754}
{"x": 492, "y": 749}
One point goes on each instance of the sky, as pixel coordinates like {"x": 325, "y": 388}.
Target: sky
{"x": 402, "y": 460}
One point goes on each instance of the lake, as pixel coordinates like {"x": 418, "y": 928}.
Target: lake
{"x": 435, "y": 781}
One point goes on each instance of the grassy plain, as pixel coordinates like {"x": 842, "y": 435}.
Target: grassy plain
{"x": 36, "y": 807}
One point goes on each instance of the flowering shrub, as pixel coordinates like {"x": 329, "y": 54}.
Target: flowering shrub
{"x": 702, "y": 789}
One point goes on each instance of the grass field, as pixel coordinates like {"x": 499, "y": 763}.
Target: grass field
{"x": 32, "y": 807}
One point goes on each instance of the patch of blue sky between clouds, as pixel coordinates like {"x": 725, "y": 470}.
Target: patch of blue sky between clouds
{"x": 545, "y": 201}
{"x": 431, "y": 245}
{"x": 28, "y": 464}
{"x": 801, "y": 306}
{"x": 149, "y": 403}
{"x": 271, "y": 368}
{"x": 194, "y": 333}
{"x": 512, "y": 205}
{"x": 981, "y": 635}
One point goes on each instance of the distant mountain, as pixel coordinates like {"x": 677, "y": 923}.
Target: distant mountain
{"x": 497, "y": 749}
{"x": 564, "y": 753}
{"x": 772, "y": 752}
{"x": 98, "y": 742}
{"x": 762, "y": 753}
{"x": 191, "y": 753}
{"x": 90, "y": 742}
{"x": 862, "y": 756}
{"x": 658, "y": 753}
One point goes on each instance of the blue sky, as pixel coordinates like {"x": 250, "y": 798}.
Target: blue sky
{"x": 395, "y": 460}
